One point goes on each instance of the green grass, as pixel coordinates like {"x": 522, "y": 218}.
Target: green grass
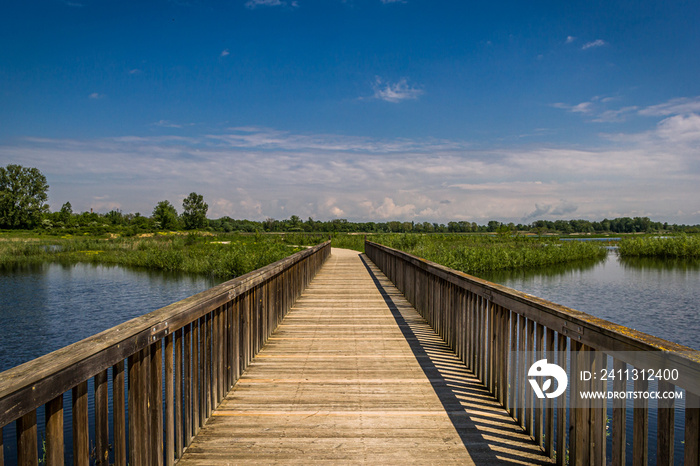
{"x": 683, "y": 246}
{"x": 225, "y": 256}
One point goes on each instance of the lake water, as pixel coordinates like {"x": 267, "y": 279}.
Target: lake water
{"x": 46, "y": 307}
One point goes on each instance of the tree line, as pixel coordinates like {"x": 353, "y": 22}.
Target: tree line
{"x": 23, "y": 196}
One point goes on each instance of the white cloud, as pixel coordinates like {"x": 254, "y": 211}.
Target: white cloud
{"x": 396, "y": 92}
{"x": 225, "y": 53}
{"x": 595, "y": 43}
{"x": 673, "y": 107}
{"x": 392, "y": 1}
{"x": 570, "y": 39}
{"x": 96, "y": 96}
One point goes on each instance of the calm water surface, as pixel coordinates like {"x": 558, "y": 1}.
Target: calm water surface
{"x": 46, "y": 307}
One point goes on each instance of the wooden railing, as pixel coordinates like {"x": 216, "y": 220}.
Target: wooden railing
{"x": 169, "y": 369}
{"x": 498, "y": 332}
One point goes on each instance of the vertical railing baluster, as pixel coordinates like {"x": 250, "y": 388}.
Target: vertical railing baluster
{"x": 119, "y": 414}
{"x": 598, "y": 409}
{"x": 513, "y": 365}
{"x": 54, "y": 431}
{"x": 640, "y": 424}
{"x": 522, "y": 372}
{"x": 27, "y": 439}
{"x": 692, "y": 429}
{"x": 539, "y": 402}
{"x": 619, "y": 420}
{"x": 180, "y": 420}
{"x": 549, "y": 412}
{"x": 101, "y": 419}
{"x": 169, "y": 420}
{"x": 530, "y": 360}
{"x": 81, "y": 434}
{"x": 561, "y": 450}
{"x": 665, "y": 427}
{"x": 188, "y": 405}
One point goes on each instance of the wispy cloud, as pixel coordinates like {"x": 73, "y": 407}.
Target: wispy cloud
{"x": 96, "y": 96}
{"x": 583, "y": 107}
{"x": 392, "y": 1}
{"x": 225, "y": 53}
{"x": 252, "y": 4}
{"x": 595, "y": 43}
{"x": 570, "y": 39}
{"x": 682, "y": 105}
{"x": 395, "y": 92}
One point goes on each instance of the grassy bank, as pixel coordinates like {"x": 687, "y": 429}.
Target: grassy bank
{"x": 225, "y": 256}
{"x": 475, "y": 254}
{"x": 672, "y": 247}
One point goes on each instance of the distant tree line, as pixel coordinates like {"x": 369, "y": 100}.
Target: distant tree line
{"x": 23, "y": 195}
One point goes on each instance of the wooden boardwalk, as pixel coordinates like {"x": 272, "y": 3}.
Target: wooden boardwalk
{"x": 355, "y": 375}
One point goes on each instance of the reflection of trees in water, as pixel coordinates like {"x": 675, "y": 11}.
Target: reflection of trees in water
{"x": 680, "y": 264}
{"x": 554, "y": 270}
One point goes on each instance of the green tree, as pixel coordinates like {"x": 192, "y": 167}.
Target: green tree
{"x": 194, "y": 213}
{"x": 165, "y": 215}
{"x": 22, "y": 196}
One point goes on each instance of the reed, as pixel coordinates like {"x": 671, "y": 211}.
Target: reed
{"x": 683, "y": 246}
{"x": 225, "y": 256}
{"x": 478, "y": 253}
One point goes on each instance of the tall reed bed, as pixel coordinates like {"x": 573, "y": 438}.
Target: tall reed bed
{"x": 225, "y": 256}
{"x": 671, "y": 247}
{"x": 477, "y": 253}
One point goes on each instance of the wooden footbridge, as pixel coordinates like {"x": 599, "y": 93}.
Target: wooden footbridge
{"x": 340, "y": 357}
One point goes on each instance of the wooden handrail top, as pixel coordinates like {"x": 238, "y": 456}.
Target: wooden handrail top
{"x": 53, "y": 374}
{"x": 593, "y": 331}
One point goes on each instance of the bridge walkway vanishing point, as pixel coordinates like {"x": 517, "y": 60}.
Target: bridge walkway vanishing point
{"x": 354, "y": 374}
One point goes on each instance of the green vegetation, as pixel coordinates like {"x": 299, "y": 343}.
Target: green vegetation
{"x": 671, "y": 247}
{"x": 225, "y": 256}
{"x": 480, "y": 253}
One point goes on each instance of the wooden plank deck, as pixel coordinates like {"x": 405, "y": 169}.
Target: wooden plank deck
{"x": 355, "y": 375}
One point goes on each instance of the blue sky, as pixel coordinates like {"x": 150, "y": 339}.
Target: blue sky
{"x": 366, "y": 110}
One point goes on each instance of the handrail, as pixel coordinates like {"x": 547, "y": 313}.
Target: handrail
{"x": 498, "y": 332}
{"x": 212, "y": 336}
